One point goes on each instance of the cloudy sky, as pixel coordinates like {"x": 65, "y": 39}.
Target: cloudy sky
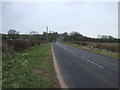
{"x": 87, "y": 18}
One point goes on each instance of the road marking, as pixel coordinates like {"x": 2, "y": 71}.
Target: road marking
{"x": 57, "y": 70}
{"x": 93, "y": 62}
{"x": 74, "y": 53}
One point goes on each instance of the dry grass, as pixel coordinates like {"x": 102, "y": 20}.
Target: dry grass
{"x": 10, "y": 46}
{"x": 113, "y": 47}
{"x": 106, "y": 49}
{"x": 32, "y": 68}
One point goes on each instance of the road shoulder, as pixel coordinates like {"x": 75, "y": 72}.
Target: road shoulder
{"x": 57, "y": 70}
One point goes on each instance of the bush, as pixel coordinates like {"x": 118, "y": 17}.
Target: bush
{"x": 20, "y": 45}
{"x": 113, "y": 47}
{"x": 107, "y": 46}
{"x": 9, "y": 46}
{"x": 33, "y": 43}
{"x": 6, "y": 49}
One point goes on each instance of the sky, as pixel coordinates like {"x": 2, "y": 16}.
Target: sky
{"x": 87, "y": 18}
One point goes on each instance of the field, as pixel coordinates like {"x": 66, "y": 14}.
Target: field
{"x": 106, "y": 49}
{"x": 32, "y": 68}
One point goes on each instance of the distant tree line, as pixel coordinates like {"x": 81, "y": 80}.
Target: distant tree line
{"x": 53, "y": 36}
{"x": 75, "y": 36}
{"x": 15, "y": 42}
{"x": 33, "y": 35}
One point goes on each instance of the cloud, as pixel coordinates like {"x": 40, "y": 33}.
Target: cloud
{"x": 89, "y": 19}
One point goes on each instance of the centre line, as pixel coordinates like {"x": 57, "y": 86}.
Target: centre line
{"x": 93, "y": 62}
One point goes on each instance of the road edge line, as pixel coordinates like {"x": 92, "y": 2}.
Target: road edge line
{"x": 57, "y": 70}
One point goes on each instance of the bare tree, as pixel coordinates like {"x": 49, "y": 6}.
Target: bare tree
{"x": 13, "y": 34}
{"x": 34, "y": 35}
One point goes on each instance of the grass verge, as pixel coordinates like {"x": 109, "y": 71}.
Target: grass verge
{"x": 32, "y": 68}
{"x": 96, "y": 50}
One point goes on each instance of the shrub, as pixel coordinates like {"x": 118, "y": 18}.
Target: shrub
{"x": 9, "y": 46}
{"x": 33, "y": 43}
{"x": 113, "y": 47}
{"x": 20, "y": 45}
{"x": 6, "y": 49}
{"x": 107, "y": 46}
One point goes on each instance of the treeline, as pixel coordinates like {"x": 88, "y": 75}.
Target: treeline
{"x": 15, "y": 42}
{"x": 33, "y": 35}
{"x": 103, "y": 42}
{"x": 76, "y": 37}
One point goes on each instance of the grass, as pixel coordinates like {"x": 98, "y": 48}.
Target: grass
{"x": 97, "y": 50}
{"x": 32, "y": 68}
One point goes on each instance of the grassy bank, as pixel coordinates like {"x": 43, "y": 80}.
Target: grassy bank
{"x": 11, "y": 46}
{"x": 32, "y": 68}
{"x": 104, "y": 52}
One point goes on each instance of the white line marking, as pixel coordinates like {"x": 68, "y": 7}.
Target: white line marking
{"x": 57, "y": 70}
{"x": 93, "y": 62}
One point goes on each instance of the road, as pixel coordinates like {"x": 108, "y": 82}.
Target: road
{"x": 83, "y": 69}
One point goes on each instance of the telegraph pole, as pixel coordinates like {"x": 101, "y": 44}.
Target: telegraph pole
{"x": 47, "y": 32}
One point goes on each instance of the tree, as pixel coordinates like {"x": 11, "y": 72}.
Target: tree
{"x": 111, "y": 37}
{"x": 74, "y": 33}
{"x": 34, "y": 33}
{"x": 65, "y": 34}
{"x": 13, "y": 34}
{"x": 106, "y": 37}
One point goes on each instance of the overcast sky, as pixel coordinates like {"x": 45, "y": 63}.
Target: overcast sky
{"x": 89, "y": 19}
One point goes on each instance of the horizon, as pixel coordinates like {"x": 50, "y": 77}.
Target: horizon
{"x": 99, "y": 36}
{"x": 88, "y": 18}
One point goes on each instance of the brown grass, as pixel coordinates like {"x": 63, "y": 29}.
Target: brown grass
{"x": 10, "y": 46}
{"x": 113, "y": 47}
{"x": 107, "y": 49}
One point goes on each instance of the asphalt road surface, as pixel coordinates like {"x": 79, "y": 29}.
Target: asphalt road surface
{"x": 84, "y": 69}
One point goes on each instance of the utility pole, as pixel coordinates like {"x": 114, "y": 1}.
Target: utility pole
{"x": 47, "y": 32}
